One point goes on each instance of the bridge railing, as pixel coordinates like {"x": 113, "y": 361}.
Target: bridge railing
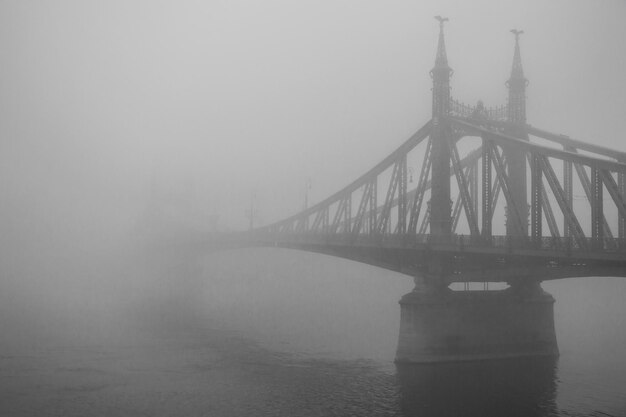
{"x": 497, "y": 113}
{"x": 457, "y": 242}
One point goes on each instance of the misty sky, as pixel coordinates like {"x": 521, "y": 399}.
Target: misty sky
{"x": 99, "y": 98}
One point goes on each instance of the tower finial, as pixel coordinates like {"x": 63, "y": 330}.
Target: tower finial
{"x": 517, "y": 72}
{"x": 516, "y": 33}
{"x": 441, "y": 21}
{"x": 517, "y": 85}
{"x": 441, "y": 60}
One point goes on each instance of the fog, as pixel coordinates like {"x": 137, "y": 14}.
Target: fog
{"x": 113, "y": 111}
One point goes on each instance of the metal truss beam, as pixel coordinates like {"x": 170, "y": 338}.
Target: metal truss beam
{"x": 456, "y": 211}
{"x": 502, "y": 139}
{"x": 403, "y": 149}
{"x": 547, "y": 209}
{"x": 562, "y": 140}
{"x": 536, "y": 198}
{"x": 464, "y": 191}
{"x": 597, "y": 209}
{"x": 402, "y": 197}
{"x": 621, "y": 186}
{"x": 487, "y": 203}
{"x": 501, "y": 172}
{"x": 568, "y": 188}
{"x": 615, "y": 191}
{"x": 339, "y": 214}
{"x": 586, "y": 183}
{"x": 559, "y": 194}
{"x": 420, "y": 191}
{"x": 358, "y": 221}
{"x": 391, "y": 191}
{"x": 568, "y": 142}
{"x": 425, "y": 222}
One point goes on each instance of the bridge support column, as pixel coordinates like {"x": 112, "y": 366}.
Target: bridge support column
{"x": 440, "y": 325}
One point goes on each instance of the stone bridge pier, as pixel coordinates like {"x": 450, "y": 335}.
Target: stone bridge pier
{"x": 441, "y": 325}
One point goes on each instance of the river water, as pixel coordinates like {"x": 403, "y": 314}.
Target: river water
{"x": 283, "y": 333}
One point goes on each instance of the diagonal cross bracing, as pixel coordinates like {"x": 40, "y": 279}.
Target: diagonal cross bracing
{"x": 559, "y": 194}
{"x": 501, "y": 172}
{"x": 403, "y": 149}
{"x": 456, "y": 211}
{"x": 546, "y": 207}
{"x": 391, "y": 191}
{"x": 360, "y": 214}
{"x": 420, "y": 191}
{"x": 586, "y": 183}
{"x": 464, "y": 191}
{"x": 614, "y": 190}
{"x": 500, "y": 138}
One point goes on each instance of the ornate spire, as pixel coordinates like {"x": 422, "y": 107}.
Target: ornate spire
{"x": 440, "y": 74}
{"x": 441, "y": 60}
{"x": 517, "y": 72}
{"x": 517, "y": 86}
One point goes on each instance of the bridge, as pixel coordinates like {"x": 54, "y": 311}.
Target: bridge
{"x": 494, "y": 199}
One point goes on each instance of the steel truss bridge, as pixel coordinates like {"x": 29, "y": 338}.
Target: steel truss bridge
{"x": 521, "y": 204}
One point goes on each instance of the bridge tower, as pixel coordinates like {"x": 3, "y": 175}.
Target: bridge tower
{"x": 515, "y": 158}
{"x": 440, "y": 203}
{"x": 440, "y": 325}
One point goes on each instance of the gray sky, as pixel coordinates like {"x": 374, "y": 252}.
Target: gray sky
{"x": 233, "y": 96}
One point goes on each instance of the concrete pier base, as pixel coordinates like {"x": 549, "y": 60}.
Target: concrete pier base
{"x": 443, "y": 325}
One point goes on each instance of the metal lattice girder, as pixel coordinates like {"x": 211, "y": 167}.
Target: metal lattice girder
{"x": 570, "y": 143}
{"x": 472, "y": 158}
{"x": 568, "y": 188}
{"x": 621, "y": 187}
{"x": 495, "y": 194}
{"x": 337, "y": 197}
{"x": 372, "y": 206}
{"x": 325, "y": 219}
{"x": 545, "y": 205}
{"x": 469, "y": 159}
{"x": 559, "y": 194}
{"x": 507, "y": 140}
{"x": 464, "y": 191}
{"x": 360, "y": 214}
{"x": 319, "y": 218}
{"x": 536, "y": 197}
{"x": 597, "y": 229}
{"x": 347, "y": 214}
{"x": 501, "y": 172}
{"x": 547, "y": 209}
{"x": 456, "y": 211}
{"x": 562, "y": 140}
{"x": 402, "y": 198}
{"x": 425, "y": 222}
{"x": 391, "y": 191}
{"x": 615, "y": 191}
{"x": 301, "y": 224}
{"x": 288, "y": 228}
{"x": 341, "y": 207}
{"x": 473, "y": 182}
{"x": 586, "y": 183}
{"x": 420, "y": 191}
{"x": 488, "y": 205}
